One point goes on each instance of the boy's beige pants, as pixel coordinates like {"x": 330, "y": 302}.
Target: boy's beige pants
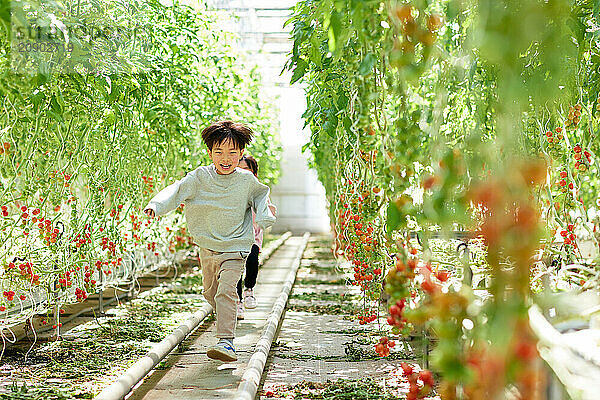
{"x": 220, "y": 275}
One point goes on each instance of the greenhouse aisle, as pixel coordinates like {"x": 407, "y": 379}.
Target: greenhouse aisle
{"x": 321, "y": 347}
{"x": 189, "y": 374}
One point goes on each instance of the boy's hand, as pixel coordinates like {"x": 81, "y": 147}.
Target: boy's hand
{"x": 149, "y": 212}
{"x": 273, "y": 209}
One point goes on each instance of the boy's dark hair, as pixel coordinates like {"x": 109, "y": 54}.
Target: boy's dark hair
{"x": 252, "y": 163}
{"x": 218, "y": 132}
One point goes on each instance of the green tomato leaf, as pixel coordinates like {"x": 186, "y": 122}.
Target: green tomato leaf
{"x": 367, "y": 64}
{"x": 37, "y": 99}
{"x": 335, "y": 27}
{"x": 395, "y": 218}
{"x": 347, "y": 124}
{"x": 342, "y": 101}
{"x": 299, "y": 71}
{"x": 330, "y": 125}
{"x": 55, "y": 105}
{"x": 57, "y": 117}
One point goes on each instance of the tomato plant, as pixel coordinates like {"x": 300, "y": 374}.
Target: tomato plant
{"x": 433, "y": 116}
{"x": 86, "y": 141}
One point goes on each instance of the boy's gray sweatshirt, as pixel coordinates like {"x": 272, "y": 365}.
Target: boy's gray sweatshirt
{"x": 218, "y": 208}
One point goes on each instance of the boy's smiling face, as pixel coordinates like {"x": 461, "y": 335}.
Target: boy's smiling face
{"x": 225, "y": 156}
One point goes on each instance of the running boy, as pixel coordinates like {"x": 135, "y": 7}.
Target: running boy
{"x": 219, "y": 200}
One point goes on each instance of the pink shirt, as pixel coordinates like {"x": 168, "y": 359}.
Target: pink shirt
{"x": 258, "y": 231}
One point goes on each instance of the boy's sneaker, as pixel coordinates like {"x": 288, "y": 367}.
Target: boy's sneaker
{"x": 240, "y": 310}
{"x": 223, "y": 351}
{"x": 249, "y": 299}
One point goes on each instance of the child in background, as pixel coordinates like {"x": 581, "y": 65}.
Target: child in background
{"x": 248, "y": 300}
{"x": 219, "y": 201}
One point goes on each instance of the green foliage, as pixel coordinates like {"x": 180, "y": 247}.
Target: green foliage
{"x": 479, "y": 115}
{"x": 89, "y": 134}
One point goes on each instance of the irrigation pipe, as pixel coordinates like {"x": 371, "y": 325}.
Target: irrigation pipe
{"x": 140, "y": 369}
{"x": 39, "y": 305}
{"x": 266, "y": 253}
{"x": 578, "y": 372}
{"x": 144, "y": 365}
{"x": 251, "y": 379}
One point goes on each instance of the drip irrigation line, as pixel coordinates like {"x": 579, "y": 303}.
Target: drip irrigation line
{"x": 250, "y": 380}
{"x": 126, "y": 382}
{"x": 98, "y": 307}
{"x": 266, "y": 253}
{"x": 41, "y": 303}
{"x": 140, "y": 369}
{"x": 37, "y": 306}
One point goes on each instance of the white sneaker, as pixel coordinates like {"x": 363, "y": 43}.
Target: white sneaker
{"x": 249, "y": 299}
{"x": 240, "y": 310}
{"x": 223, "y": 351}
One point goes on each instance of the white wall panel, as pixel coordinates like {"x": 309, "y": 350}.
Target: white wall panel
{"x": 299, "y": 196}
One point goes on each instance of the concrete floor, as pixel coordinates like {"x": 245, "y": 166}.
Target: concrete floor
{"x": 190, "y": 374}
{"x": 312, "y": 347}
